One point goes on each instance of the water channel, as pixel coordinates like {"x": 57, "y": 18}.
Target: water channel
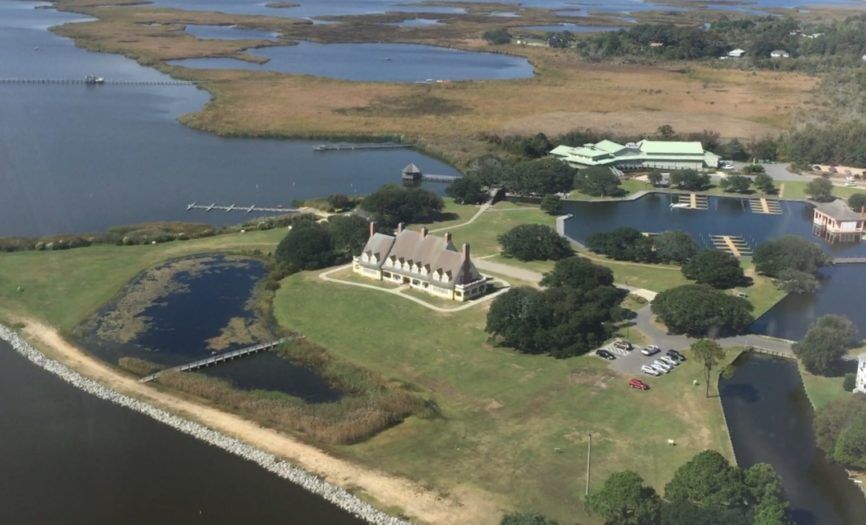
{"x": 770, "y": 421}
{"x": 376, "y": 62}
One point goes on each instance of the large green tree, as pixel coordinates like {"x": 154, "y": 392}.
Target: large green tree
{"x": 539, "y": 177}
{"x": 708, "y": 480}
{"x": 348, "y": 233}
{"x": 700, "y": 310}
{"x": 625, "y": 500}
{"x": 674, "y": 246}
{"x": 534, "y": 242}
{"x": 393, "y": 204}
{"x": 709, "y": 354}
{"x": 577, "y": 272}
{"x": 526, "y": 518}
{"x": 716, "y": 268}
{"x": 765, "y": 183}
{"x": 305, "y": 247}
{"x": 690, "y": 180}
{"x": 820, "y": 190}
{"x": 597, "y": 181}
{"x": 625, "y": 244}
{"x": 825, "y": 343}
{"x": 789, "y": 252}
{"x": 467, "y": 190}
{"x": 857, "y": 201}
{"x": 736, "y": 184}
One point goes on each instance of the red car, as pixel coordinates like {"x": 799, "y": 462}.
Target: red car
{"x": 637, "y": 383}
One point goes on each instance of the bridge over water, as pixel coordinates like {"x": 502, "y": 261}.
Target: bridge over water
{"x": 219, "y": 358}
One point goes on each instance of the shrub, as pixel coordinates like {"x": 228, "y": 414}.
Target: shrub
{"x": 497, "y": 37}
{"x": 857, "y": 201}
{"x": 849, "y": 382}
{"x": 825, "y": 343}
{"x": 736, "y": 184}
{"x": 551, "y": 204}
{"x": 820, "y": 190}
{"x": 467, "y": 190}
{"x": 754, "y": 169}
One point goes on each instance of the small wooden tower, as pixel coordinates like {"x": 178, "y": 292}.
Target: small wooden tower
{"x": 412, "y": 173}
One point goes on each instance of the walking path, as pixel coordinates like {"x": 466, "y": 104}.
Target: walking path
{"x": 645, "y": 323}
{"x": 326, "y": 276}
{"x": 484, "y": 207}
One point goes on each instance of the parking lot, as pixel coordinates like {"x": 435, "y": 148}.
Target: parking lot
{"x": 629, "y": 362}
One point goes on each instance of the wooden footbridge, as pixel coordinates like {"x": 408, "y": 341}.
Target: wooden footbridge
{"x": 849, "y": 260}
{"x": 219, "y": 358}
{"x": 235, "y": 207}
{"x": 322, "y": 148}
{"x": 86, "y": 82}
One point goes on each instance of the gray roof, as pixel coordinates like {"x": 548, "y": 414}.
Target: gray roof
{"x": 839, "y": 210}
{"x": 411, "y": 168}
{"x": 379, "y": 245}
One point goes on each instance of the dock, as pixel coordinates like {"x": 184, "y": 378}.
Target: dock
{"x": 736, "y": 245}
{"x": 86, "y": 82}
{"x": 358, "y": 147}
{"x": 694, "y": 202}
{"x": 234, "y": 207}
{"x": 218, "y": 358}
{"x": 849, "y": 260}
{"x": 765, "y": 206}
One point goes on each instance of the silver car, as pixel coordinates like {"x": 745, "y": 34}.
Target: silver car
{"x": 669, "y": 360}
{"x": 648, "y": 370}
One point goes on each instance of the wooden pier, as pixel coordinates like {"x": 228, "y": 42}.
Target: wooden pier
{"x": 358, "y": 147}
{"x": 235, "y": 207}
{"x": 849, "y": 260}
{"x": 693, "y": 202}
{"x": 218, "y": 358}
{"x": 736, "y": 245}
{"x": 85, "y": 82}
{"x": 765, "y": 206}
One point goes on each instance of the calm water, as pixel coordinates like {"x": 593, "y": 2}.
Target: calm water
{"x": 770, "y": 421}
{"x": 376, "y": 62}
{"x": 725, "y": 216}
{"x": 181, "y": 323}
{"x": 843, "y": 288}
{"x": 75, "y": 159}
{"x": 206, "y": 32}
{"x": 71, "y": 458}
{"x": 574, "y": 28}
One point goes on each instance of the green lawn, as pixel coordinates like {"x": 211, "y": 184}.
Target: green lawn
{"x": 65, "y": 287}
{"x": 512, "y": 424}
{"x": 629, "y": 185}
{"x": 797, "y": 190}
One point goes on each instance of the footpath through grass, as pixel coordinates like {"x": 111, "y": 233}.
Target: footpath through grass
{"x": 512, "y": 424}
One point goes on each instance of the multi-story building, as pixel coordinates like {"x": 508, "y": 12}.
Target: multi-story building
{"x": 646, "y": 154}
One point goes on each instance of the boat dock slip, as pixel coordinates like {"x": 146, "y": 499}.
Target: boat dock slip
{"x": 736, "y": 245}
{"x": 765, "y": 206}
{"x": 218, "y": 358}
{"x": 694, "y": 202}
{"x": 849, "y": 260}
{"x": 101, "y": 82}
{"x": 235, "y": 207}
{"x": 358, "y": 147}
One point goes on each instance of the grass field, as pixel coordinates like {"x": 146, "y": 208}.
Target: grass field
{"x": 512, "y": 424}
{"x": 65, "y": 287}
{"x": 797, "y": 190}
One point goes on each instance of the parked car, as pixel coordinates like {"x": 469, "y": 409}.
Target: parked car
{"x": 604, "y": 354}
{"x": 648, "y": 370}
{"x": 665, "y": 366}
{"x": 637, "y": 383}
{"x": 676, "y": 354}
{"x": 659, "y": 368}
{"x": 622, "y": 344}
{"x": 650, "y": 350}
{"x": 669, "y": 360}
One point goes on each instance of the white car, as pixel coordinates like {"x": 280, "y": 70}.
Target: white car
{"x": 658, "y": 368}
{"x": 650, "y": 350}
{"x": 662, "y": 364}
{"x": 669, "y": 360}
{"x": 648, "y": 370}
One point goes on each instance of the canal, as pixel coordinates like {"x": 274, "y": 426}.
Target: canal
{"x": 770, "y": 421}
{"x": 71, "y": 458}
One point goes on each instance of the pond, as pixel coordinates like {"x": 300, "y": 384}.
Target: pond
{"x": 417, "y": 22}
{"x": 69, "y": 457}
{"x": 376, "y": 62}
{"x": 210, "y": 32}
{"x": 192, "y": 308}
{"x": 78, "y": 158}
{"x": 770, "y": 421}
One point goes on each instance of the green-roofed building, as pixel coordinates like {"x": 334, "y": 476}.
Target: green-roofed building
{"x": 660, "y": 154}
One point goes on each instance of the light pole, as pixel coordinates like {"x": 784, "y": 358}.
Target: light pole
{"x": 588, "y": 460}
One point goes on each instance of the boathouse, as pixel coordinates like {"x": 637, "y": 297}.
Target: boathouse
{"x": 412, "y": 173}
{"x": 836, "y": 222}
{"x": 646, "y": 154}
{"x": 422, "y": 261}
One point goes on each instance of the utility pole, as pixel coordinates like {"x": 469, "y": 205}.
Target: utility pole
{"x": 588, "y": 459}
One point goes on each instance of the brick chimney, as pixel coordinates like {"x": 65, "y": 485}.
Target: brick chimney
{"x": 447, "y": 237}
{"x": 400, "y": 227}
{"x": 372, "y": 228}
{"x": 465, "y": 251}
{"x": 424, "y": 232}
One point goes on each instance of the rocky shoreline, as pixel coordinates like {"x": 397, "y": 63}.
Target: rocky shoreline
{"x": 331, "y": 493}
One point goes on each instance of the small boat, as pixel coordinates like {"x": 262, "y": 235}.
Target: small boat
{"x": 93, "y": 79}
{"x": 680, "y": 205}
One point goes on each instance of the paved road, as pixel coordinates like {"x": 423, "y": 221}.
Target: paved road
{"x": 644, "y": 323}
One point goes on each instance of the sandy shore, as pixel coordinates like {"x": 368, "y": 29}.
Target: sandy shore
{"x": 418, "y": 503}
